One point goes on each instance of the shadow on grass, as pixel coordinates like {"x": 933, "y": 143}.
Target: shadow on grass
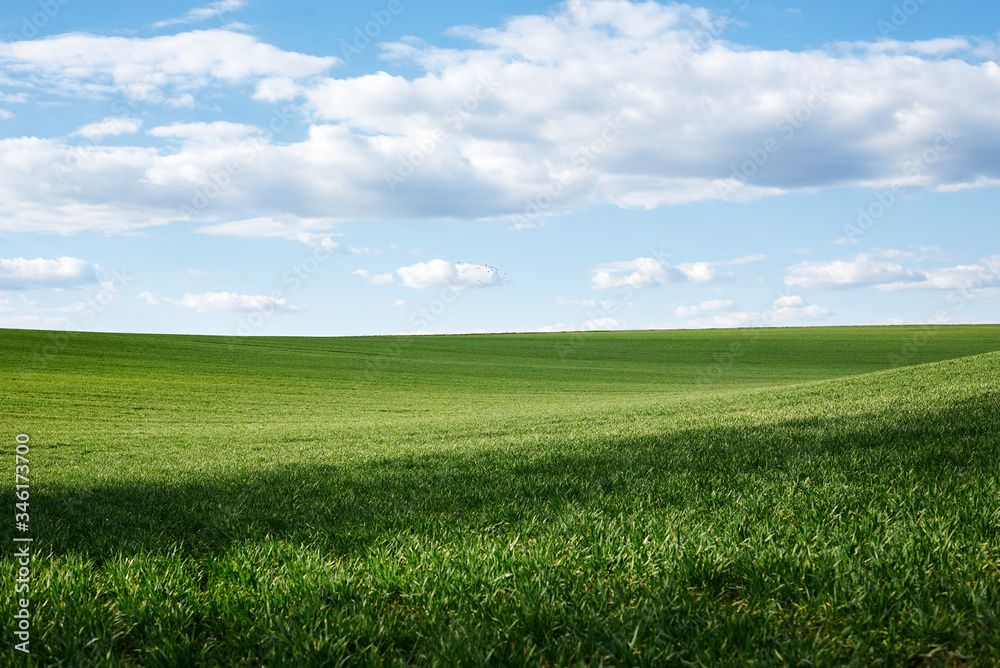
{"x": 344, "y": 510}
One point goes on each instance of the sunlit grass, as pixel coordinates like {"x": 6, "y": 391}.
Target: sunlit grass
{"x": 513, "y": 499}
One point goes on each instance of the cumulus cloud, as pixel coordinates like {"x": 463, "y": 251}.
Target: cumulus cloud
{"x": 969, "y": 277}
{"x": 642, "y": 272}
{"x": 795, "y": 307}
{"x": 92, "y": 66}
{"x": 216, "y": 132}
{"x": 862, "y": 270}
{"x": 267, "y": 227}
{"x": 66, "y": 272}
{"x": 645, "y": 272}
{"x": 725, "y": 313}
{"x": 375, "y": 279}
{"x": 110, "y": 127}
{"x": 440, "y": 274}
{"x": 223, "y": 302}
{"x": 636, "y": 104}
{"x": 873, "y": 269}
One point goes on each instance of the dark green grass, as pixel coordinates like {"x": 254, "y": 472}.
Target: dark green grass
{"x": 631, "y": 498}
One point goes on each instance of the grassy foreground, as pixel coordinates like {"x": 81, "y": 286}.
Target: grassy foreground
{"x": 800, "y": 496}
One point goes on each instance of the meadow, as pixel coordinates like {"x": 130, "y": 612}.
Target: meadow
{"x": 807, "y": 496}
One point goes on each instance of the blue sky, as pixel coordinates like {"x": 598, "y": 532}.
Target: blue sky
{"x": 248, "y": 167}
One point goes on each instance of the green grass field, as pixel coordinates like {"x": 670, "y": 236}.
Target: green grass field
{"x": 818, "y": 496}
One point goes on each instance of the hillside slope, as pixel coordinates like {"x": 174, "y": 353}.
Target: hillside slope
{"x": 195, "y": 509}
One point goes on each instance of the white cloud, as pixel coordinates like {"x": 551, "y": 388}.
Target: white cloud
{"x": 266, "y": 227}
{"x": 32, "y": 321}
{"x": 276, "y": 89}
{"x": 375, "y": 279}
{"x": 724, "y": 313}
{"x": 736, "y": 319}
{"x": 89, "y": 66}
{"x": 209, "y": 11}
{"x": 866, "y": 269}
{"x": 66, "y": 272}
{"x": 110, "y": 127}
{"x": 681, "y": 107}
{"x": 224, "y": 302}
{"x": 6, "y": 115}
{"x": 645, "y": 272}
{"x": 642, "y": 272}
{"x": 217, "y": 132}
{"x": 150, "y": 298}
{"x": 861, "y": 270}
{"x": 7, "y": 306}
{"x": 603, "y": 324}
{"x": 440, "y": 274}
{"x": 558, "y": 327}
{"x": 399, "y": 302}
{"x": 795, "y": 307}
{"x": 970, "y": 277}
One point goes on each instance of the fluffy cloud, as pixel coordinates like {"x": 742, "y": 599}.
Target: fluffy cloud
{"x": 440, "y": 274}
{"x": 724, "y": 313}
{"x": 633, "y": 104}
{"x": 266, "y": 227}
{"x": 645, "y": 272}
{"x": 375, "y": 279}
{"x": 143, "y": 69}
{"x": 110, "y": 127}
{"x": 970, "y": 277}
{"x": 66, "y": 272}
{"x": 217, "y": 132}
{"x": 861, "y": 270}
{"x": 224, "y": 302}
{"x": 794, "y": 307}
{"x": 873, "y": 269}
